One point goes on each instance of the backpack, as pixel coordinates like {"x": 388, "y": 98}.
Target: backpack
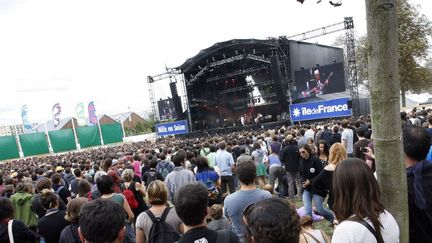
{"x": 164, "y": 170}
{"x": 59, "y": 189}
{"x": 160, "y": 231}
{"x": 151, "y": 176}
{"x": 130, "y": 197}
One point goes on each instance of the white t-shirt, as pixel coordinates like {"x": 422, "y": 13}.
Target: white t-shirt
{"x": 348, "y": 135}
{"x": 354, "y": 232}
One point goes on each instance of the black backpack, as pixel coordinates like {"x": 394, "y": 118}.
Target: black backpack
{"x": 160, "y": 231}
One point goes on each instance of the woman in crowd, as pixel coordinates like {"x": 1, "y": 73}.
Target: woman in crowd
{"x": 137, "y": 189}
{"x": 323, "y": 152}
{"x": 272, "y": 220}
{"x": 259, "y": 156}
{"x": 117, "y": 181}
{"x": 310, "y": 234}
{"x": 310, "y": 167}
{"x": 70, "y": 233}
{"x": 209, "y": 177}
{"x": 358, "y": 206}
{"x": 20, "y": 232}
{"x": 157, "y": 196}
{"x": 105, "y": 186}
{"x": 84, "y": 189}
{"x": 51, "y": 225}
{"x": 276, "y": 170}
{"x": 312, "y": 145}
{"x": 322, "y": 184}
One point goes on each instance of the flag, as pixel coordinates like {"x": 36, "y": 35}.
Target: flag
{"x": 92, "y": 113}
{"x": 24, "y": 115}
{"x": 79, "y": 112}
{"x": 56, "y": 110}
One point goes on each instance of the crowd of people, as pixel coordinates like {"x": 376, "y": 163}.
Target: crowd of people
{"x": 235, "y": 187}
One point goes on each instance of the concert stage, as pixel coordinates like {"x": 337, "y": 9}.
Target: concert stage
{"x": 239, "y": 81}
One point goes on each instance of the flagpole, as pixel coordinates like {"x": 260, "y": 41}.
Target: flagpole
{"x": 75, "y": 135}
{"x": 124, "y": 134}
{"x": 48, "y": 138}
{"x": 100, "y": 130}
{"x": 21, "y": 153}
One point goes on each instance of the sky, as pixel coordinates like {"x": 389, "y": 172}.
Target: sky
{"x": 102, "y": 50}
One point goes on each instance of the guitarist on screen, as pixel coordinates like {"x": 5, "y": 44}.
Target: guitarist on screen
{"x": 315, "y": 86}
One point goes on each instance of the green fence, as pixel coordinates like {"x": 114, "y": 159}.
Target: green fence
{"x": 34, "y": 143}
{"x": 61, "y": 140}
{"x": 8, "y": 148}
{"x": 112, "y": 133}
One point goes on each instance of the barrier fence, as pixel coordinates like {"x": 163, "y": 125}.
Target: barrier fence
{"x": 60, "y": 140}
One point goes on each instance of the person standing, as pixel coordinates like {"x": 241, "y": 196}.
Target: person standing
{"x": 361, "y": 144}
{"x": 235, "y": 203}
{"x": 416, "y": 143}
{"x": 289, "y": 156}
{"x": 310, "y": 167}
{"x": 179, "y": 176}
{"x": 347, "y": 138}
{"x": 225, "y": 163}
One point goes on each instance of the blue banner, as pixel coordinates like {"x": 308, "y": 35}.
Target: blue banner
{"x": 172, "y": 128}
{"x": 320, "y": 110}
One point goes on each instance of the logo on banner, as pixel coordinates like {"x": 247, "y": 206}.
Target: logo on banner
{"x": 172, "y": 128}
{"x": 320, "y": 110}
{"x": 79, "y": 111}
{"x": 92, "y": 113}
{"x": 56, "y": 111}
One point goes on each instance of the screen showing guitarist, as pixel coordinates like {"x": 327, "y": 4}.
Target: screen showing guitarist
{"x": 316, "y": 86}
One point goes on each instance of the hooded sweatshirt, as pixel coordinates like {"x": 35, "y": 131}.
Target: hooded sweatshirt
{"x": 22, "y": 202}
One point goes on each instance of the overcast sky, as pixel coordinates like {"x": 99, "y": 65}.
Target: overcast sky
{"x": 102, "y": 51}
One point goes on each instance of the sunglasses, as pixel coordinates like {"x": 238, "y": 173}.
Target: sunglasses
{"x": 302, "y": 152}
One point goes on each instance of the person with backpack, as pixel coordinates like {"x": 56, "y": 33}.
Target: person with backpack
{"x": 152, "y": 174}
{"x": 133, "y": 192}
{"x": 191, "y": 202}
{"x": 164, "y": 167}
{"x": 159, "y": 223}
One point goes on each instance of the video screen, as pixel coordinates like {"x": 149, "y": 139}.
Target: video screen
{"x": 166, "y": 109}
{"x": 316, "y": 81}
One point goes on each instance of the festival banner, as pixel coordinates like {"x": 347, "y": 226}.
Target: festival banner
{"x": 56, "y": 111}
{"x": 172, "y": 128}
{"x": 92, "y": 113}
{"x": 321, "y": 110}
{"x": 28, "y": 127}
{"x": 79, "y": 112}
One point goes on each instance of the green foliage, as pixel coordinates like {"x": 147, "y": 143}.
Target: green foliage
{"x": 414, "y": 29}
{"x": 141, "y": 128}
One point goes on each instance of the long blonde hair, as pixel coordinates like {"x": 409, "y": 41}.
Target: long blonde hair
{"x": 337, "y": 153}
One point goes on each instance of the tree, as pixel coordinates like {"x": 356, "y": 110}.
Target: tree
{"x": 384, "y": 87}
{"x": 413, "y": 32}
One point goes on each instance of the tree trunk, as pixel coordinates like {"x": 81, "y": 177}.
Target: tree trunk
{"x": 385, "y": 106}
{"x": 403, "y": 97}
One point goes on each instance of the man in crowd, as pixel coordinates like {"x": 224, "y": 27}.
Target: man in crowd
{"x": 419, "y": 177}
{"x": 290, "y": 157}
{"x": 361, "y": 144}
{"x": 248, "y": 194}
{"x": 347, "y": 138}
{"x": 102, "y": 221}
{"x": 225, "y": 163}
{"x": 191, "y": 204}
{"x": 179, "y": 176}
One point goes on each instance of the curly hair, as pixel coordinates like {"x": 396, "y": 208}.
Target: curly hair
{"x": 272, "y": 220}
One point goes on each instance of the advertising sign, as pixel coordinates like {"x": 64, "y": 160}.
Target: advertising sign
{"x": 172, "y": 128}
{"x": 320, "y": 110}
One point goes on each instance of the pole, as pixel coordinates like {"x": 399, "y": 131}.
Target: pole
{"x": 124, "y": 134}
{"x": 48, "y": 138}
{"x": 100, "y": 130}
{"x": 75, "y": 135}
{"x": 21, "y": 153}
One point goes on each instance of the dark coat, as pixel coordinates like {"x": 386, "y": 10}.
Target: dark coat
{"x": 290, "y": 156}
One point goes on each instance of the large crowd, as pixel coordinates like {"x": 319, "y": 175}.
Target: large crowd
{"x": 234, "y": 187}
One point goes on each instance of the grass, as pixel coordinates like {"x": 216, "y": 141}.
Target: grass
{"x": 323, "y": 225}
